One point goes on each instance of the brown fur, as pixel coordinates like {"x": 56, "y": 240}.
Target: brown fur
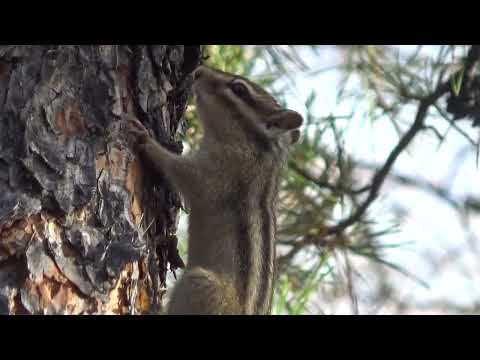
{"x": 230, "y": 185}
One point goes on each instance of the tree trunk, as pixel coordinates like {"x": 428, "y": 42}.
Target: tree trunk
{"x": 75, "y": 200}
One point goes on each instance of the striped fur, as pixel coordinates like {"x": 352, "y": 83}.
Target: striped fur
{"x": 230, "y": 185}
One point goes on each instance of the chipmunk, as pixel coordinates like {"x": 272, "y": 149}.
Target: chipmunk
{"x": 230, "y": 185}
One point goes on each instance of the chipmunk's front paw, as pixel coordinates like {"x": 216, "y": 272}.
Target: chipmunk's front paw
{"x": 137, "y": 131}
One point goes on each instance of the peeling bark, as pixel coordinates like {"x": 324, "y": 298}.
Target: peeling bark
{"x": 74, "y": 198}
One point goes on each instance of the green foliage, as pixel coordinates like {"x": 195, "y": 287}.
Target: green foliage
{"x": 296, "y": 287}
{"x": 304, "y": 207}
{"x": 320, "y": 186}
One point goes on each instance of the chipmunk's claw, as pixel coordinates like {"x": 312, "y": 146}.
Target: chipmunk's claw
{"x": 137, "y": 130}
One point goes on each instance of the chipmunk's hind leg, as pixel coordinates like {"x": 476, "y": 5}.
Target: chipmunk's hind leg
{"x": 202, "y": 292}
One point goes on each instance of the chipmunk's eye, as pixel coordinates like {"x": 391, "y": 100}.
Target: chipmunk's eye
{"x": 239, "y": 89}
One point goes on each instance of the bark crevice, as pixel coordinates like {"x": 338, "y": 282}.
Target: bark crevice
{"x": 74, "y": 197}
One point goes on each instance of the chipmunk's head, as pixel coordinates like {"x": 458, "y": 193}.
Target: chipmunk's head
{"x": 234, "y": 109}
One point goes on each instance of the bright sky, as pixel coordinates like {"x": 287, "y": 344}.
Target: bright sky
{"x": 432, "y": 226}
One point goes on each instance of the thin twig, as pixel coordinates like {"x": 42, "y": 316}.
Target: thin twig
{"x": 424, "y": 185}
{"x": 336, "y": 188}
{"x": 418, "y": 125}
{"x": 382, "y": 173}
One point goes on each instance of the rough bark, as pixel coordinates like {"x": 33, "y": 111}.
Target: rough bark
{"x": 74, "y": 198}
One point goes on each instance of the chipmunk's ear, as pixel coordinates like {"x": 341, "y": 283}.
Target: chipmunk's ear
{"x": 284, "y": 120}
